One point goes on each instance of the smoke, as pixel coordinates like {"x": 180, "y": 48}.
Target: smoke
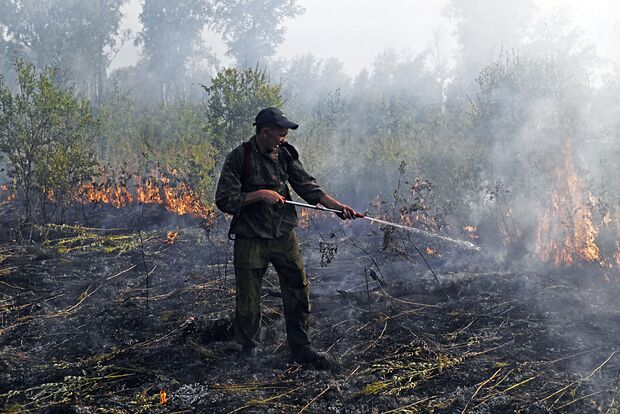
{"x": 488, "y": 121}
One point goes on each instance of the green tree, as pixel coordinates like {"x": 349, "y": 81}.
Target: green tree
{"x": 171, "y": 37}
{"x": 69, "y": 158}
{"x": 234, "y": 98}
{"x": 80, "y": 36}
{"x": 175, "y": 136}
{"x": 253, "y": 29}
{"x": 45, "y": 134}
{"x": 482, "y": 29}
{"x": 119, "y": 142}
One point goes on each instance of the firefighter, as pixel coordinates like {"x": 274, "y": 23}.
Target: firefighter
{"x": 253, "y": 186}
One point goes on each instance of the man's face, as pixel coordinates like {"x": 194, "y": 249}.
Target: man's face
{"x": 274, "y": 137}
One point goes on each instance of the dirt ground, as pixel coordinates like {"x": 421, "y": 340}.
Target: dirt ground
{"x": 83, "y": 329}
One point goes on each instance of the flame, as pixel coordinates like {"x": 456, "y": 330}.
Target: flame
{"x": 417, "y": 218}
{"x": 163, "y": 397}
{"x": 431, "y": 251}
{"x": 566, "y": 230}
{"x": 471, "y": 232}
{"x": 6, "y": 194}
{"x": 171, "y": 237}
{"x": 303, "y": 218}
{"x": 117, "y": 195}
{"x": 161, "y": 187}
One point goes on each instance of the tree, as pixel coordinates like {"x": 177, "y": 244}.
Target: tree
{"x": 172, "y": 37}
{"x": 177, "y": 137}
{"x": 74, "y": 35}
{"x": 253, "y": 29}
{"x": 234, "y": 98}
{"x": 483, "y": 29}
{"x": 45, "y": 134}
{"x": 306, "y": 80}
{"x": 119, "y": 141}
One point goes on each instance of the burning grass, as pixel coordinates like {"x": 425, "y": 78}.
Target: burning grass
{"x": 566, "y": 231}
{"x": 161, "y": 186}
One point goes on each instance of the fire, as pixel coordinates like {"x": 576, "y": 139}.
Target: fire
{"x": 419, "y": 218}
{"x": 303, "y": 218}
{"x": 566, "y": 231}
{"x": 6, "y": 194}
{"x": 161, "y": 187}
{"x": 116, "y": 194}
{"x": 471, "y": 232}
{"x": 431, "y": 251}
{"x": 171, "y": 237}
{"x": 163, "y": 397}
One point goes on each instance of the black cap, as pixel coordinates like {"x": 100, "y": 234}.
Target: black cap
{"x": 273, "y": 115}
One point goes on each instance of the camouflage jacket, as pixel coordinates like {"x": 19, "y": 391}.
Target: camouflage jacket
{"x": 263, "y": 171}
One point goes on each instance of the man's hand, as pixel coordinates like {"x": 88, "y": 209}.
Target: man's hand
{"x": 346, "y": 211}
{"x": 271, "y": 197}
{"x": 267, "y": 196}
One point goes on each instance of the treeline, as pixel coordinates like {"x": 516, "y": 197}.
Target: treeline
{"x": 84, "y": 37}
{"x": 54, "y": 141}
{"x": 485, "y": 144}
{"x": 500, "y": 145}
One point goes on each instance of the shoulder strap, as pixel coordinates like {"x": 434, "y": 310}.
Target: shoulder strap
{"x": 292, "y": 152}
{"x": 246, "y": 165}
{"x": 246, "y": 170}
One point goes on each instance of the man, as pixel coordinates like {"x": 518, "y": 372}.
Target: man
{"x": 253, "y": 188}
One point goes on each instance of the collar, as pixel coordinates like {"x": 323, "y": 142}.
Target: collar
{"x": 272, "y": 156}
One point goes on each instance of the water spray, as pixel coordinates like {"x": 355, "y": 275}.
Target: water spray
{"x": 462, "y": 243}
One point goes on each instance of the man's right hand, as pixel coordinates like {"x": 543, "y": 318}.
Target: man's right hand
{"x": 267, "y": 196}
{"x": 271, "y": 197}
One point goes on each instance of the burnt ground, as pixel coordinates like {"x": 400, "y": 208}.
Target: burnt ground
{"x": 81, "y": 333}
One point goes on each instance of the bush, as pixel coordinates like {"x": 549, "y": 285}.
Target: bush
{"x": 234, "y": 98}
{"x": 46, "y": 133}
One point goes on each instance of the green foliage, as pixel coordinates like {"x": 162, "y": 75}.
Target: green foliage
{"x": 318, "y": 136}
{"x": 79, "y": 36}
{"x": 234, "y": 98}
{"x": 526, "y": 110}
{"x": 172, "y": 134}
{"x": 253, "y": 29}
{"x": 513, "y": 87}
{"x": 69, "y": 159}
{"x": 46, "y": 134}
{"x": 172, "y": 37}
{"x": 119, "y": 142}
{"x": 176, "y": 137}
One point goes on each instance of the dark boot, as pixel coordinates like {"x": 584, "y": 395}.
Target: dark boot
{"x": 250, "y": 352}
{"x": 314, "y": 359}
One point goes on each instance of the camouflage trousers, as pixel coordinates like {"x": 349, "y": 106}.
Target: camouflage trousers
{"x": 252, "y": 256}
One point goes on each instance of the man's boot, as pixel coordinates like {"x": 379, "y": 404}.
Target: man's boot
{"x": 315, "y": 359}
{"x": 250, "y": 352}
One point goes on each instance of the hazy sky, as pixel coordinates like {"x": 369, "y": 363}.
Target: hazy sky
{"x": 356, "y": 31}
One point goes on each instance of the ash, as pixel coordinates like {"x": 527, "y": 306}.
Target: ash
{"x": 83, "y": 329}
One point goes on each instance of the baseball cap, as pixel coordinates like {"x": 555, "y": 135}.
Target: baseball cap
{"x": 275, "y": 116}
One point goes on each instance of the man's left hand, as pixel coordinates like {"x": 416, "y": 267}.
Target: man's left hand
{"x": 348, "y": 213}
